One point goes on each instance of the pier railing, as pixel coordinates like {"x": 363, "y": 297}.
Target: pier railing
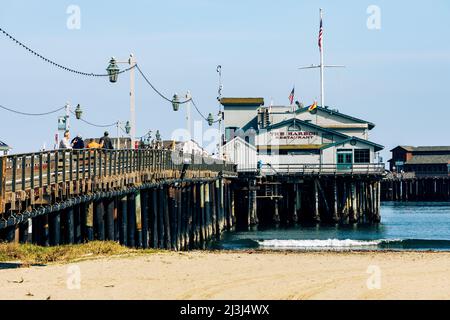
{"x": 21, "y": 172}
{"x": 323, "y": 169}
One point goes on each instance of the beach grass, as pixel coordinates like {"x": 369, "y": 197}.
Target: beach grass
{"x": 28, "y": 254}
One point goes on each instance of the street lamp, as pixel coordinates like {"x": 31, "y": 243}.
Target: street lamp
{"x": 78, "y": 112}
{"x": 210, "y": 119}
{"x": 127, "y": 127}
{"x": 113, "y": 70}
{"x": 176, "y": 102}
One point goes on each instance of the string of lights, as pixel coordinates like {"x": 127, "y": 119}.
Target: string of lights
{"x": 156, "y": 90}
{"x": 32, "y": 114}
{"x": 57, "y": 64}
{"x": 96, "y": 125}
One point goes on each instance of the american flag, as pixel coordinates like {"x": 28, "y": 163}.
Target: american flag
{"x": 291, "y": 96}
{"x": 320, "y": 34}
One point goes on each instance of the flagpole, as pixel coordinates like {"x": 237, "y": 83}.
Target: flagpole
{"x": 322, "y": 90}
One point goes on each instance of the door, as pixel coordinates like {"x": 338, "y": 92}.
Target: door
{"x": 344, "y": 159}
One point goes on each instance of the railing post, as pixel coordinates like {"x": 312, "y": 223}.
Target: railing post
{"x": 24, "y": 171}
{"x": 14, "y": 173}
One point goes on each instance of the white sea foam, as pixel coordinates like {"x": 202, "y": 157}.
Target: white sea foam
{"x": 324, "y": 244}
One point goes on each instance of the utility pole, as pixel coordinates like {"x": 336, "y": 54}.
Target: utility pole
{"x": 188, "y": 114}
{"x": 132, "y": 62}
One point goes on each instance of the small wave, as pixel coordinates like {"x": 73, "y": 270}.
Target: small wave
{"x": 348, "y": 244}
{"x": 330, "y": 243}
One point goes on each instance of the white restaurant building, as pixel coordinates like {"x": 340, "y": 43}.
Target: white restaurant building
{"x": 290, "y": 139}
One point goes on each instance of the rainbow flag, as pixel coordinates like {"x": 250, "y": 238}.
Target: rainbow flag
{"x": 313, "y": 106}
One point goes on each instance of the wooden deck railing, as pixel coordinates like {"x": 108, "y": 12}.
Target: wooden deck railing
{"x": 323, "y": 169}
{"x": 21, "y": 172}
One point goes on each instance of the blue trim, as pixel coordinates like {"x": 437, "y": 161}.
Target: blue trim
{"x": 304, "y": 123}
{"x": 331, "y": 112}
{"x": 378, "y": 147}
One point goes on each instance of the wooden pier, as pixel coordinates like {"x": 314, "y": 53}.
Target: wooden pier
{"x": 141, "y": 198}
{"x": 410, "y": 186}
{"x": 310, "y": 194}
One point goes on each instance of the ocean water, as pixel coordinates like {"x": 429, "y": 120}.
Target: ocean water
{"x": 404, "y": 226}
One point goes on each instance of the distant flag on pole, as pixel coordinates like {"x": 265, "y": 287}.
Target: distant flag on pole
{"x": 291, "y": 96}
{"x": 313, "y": 107}
{"x": 321, "y": 34}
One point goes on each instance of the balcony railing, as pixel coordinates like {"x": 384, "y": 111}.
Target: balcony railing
{"x": 323, "y": 169}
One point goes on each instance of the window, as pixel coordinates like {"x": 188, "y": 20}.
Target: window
{"x": 294, "y": 127}
{"x": 362, "y": 156}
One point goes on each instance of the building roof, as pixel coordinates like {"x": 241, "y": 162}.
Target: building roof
{"x": 334, "y": 112}
{"x": 429, "y": 159}
{"x": 242, "y": 101}
{"x": 4, "y": 146}
{"x": 294, "y": 121}
{"x": 424, "y": 148}
{"x": 376, "y": 146}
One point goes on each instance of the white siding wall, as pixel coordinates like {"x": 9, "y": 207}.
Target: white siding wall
{"x": 241, "y": 153}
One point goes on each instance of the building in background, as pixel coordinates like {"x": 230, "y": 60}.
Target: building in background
{"x": 288, "y": 140}
{"x": 4, "y": 148}
{"x": 423, "y": 160}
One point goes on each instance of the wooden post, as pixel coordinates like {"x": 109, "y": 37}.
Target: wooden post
{"x": 99, "y": 222}
{"x": 220, "y": 205}
{"x": 207, "y": 211}
{"x": 123, "y": 220}
{"x": 353, "y": 211}
{"x": 109, "y": 219}
{"x": 173, "y": 211}
{"x": 316, "y": 217}
{"x": 54, "y": 227}
{"x": 161, "y": 206}
{"x": 179, "y": 206}
{"x": 202, "y": 215}
{"x": 77, "y": 223}
{"x": 131, "y": 217}
{"x": 69, "y": 226}
{"x": 335, "y": 201}
{"x": 23, "y": 232}
{"x": 145, "y": 218}
{"x": 138, "y": 217}
{"x": 154, "y": 217}
{"x": 167, "y": 235}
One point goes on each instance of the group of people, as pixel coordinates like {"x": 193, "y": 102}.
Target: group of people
{"x": 78, "y": 142}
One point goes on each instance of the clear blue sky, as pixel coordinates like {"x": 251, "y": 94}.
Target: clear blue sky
{"x": 397, "y": 77}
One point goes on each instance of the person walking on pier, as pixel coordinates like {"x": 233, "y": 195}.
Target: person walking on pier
{"x": 93, "y": 144}
{"x": 105, "y": 141}
{"x": 78, "y": 143}
{"x": 65, "y": 141}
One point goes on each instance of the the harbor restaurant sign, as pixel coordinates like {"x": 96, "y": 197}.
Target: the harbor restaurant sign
{"x": 293, "y": 135}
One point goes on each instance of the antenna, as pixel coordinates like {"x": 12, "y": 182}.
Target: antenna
{"x": 321, "y": 66}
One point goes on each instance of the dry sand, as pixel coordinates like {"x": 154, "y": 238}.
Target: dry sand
{"x": 238, "y": 275}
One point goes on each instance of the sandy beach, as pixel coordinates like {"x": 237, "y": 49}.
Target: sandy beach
{"x": 236, "y": 275}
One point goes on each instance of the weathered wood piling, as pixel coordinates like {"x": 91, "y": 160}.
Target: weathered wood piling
{"x": 410, "y": 187}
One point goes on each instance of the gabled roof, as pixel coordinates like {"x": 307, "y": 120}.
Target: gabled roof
{"x": 424, "y": 148}
{"x": 295, "y": 121}
{"x": 4, "y": 146}
{"x": 333, "y": 112}
{"x": 376, "y": 146}
{"x": 429, "y": 159}
{"x": 239, "y": 139}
